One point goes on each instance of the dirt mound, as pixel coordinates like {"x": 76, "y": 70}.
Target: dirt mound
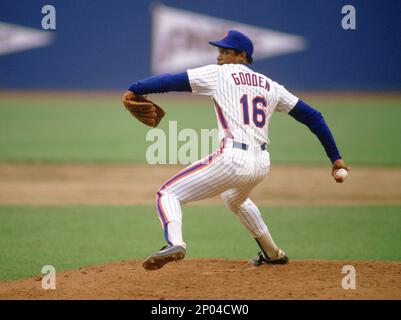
{"x": 216, "y": 279}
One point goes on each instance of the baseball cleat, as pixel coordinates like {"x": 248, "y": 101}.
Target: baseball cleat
{"x": 164, "y": 255}
{"x": 260, "y": 259}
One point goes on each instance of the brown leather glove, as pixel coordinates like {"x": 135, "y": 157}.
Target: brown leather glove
{"x": 143, "y": 109}
{"x": 339, "y": 164}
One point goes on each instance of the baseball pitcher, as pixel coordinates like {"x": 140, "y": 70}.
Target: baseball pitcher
{"x": 244, "y": 102}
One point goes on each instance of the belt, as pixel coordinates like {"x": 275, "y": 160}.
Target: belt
{"x": 244, "y": 146}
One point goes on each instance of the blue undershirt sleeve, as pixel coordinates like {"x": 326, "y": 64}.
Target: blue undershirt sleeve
{"x": 314, "y": 120}
{"x": 162, "y": 83}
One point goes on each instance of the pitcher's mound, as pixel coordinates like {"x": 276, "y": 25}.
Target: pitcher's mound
{"x": 217, "y": 279}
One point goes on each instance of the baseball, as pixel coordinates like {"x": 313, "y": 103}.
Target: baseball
{"x": 341, "y": 173}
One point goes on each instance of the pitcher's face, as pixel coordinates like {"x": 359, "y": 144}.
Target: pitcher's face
{"x": 227, "y": 56}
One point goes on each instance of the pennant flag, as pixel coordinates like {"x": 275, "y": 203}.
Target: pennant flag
{"x": 14, "y": 38}
{"x": 180, "y": 39}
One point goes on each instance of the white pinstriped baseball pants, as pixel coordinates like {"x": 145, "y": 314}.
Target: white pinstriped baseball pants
{"x": 229, "y": 171}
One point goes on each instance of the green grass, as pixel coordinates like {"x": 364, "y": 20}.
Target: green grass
{"x": 73, "y": 236}
{"x": 365, "y": 134}
{"x": 54, "y": 129}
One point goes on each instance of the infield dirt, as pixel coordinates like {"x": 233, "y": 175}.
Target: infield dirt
{"x": 65, "y": 184}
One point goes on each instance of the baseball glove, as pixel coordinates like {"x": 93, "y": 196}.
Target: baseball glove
{"x": 143, "y": 109}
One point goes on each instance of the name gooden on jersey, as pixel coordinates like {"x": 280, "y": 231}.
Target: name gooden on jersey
{"x": 250, "y": 79}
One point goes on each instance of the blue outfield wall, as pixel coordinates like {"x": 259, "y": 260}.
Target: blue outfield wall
{"x": 106, "y": 44}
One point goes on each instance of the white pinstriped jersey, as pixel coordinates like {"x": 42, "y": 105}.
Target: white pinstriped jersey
{"x": 244, "y": 100}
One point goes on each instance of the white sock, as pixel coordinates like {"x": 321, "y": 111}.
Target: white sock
{"x": 267, "y": 245}
{"x": 174, "y": 234}
{"x": 250, "y": 216}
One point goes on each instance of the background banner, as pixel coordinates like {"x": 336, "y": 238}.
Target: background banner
{"x": 104, "y": 45}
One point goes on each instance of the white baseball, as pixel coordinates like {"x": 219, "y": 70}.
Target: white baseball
{"x": 341, "y": 173}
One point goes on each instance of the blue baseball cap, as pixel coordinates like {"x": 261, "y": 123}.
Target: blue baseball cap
{"x": 236, "y": 40}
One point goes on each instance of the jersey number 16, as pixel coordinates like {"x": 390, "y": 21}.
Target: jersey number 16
{"x": 259, "y": 115}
